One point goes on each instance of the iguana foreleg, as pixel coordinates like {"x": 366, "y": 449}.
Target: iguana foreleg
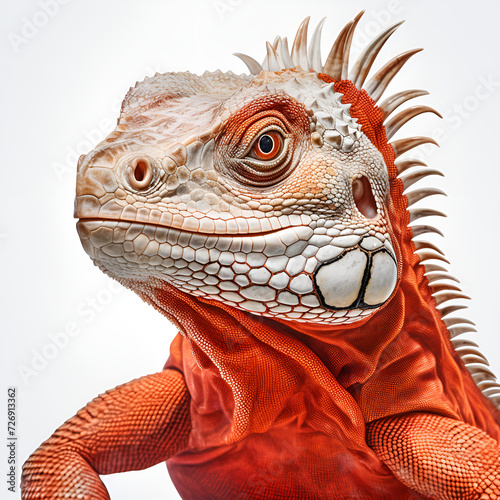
{"x": 132, "y": 427}
{"x": 438, "y": 456}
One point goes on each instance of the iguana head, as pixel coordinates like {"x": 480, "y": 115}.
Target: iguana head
{"x": 269, "y": 192}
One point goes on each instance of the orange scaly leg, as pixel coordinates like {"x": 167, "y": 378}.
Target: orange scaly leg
{"x": 132, "y": 427}
{"x": 438, "y": 456}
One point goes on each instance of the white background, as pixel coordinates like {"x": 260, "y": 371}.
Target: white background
{"x": 60, "y": 88}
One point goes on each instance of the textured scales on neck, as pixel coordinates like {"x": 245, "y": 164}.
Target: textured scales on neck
{"x": 319, "y": 233}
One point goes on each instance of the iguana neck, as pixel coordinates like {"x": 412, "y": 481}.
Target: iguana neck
{"x": 237, "y": 362}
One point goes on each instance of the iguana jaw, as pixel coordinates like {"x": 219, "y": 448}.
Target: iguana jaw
{"x": 312, "y": 277}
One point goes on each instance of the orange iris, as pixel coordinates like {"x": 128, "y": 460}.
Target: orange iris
{"x": 268, "y": 146}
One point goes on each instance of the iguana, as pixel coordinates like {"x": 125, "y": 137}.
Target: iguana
{"x": 318, "y": 355}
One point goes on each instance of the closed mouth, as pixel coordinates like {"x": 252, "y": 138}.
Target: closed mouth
{"x": 171, "y": 228}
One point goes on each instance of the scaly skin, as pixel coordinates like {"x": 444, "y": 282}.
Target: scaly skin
{"x": 314, "y": 358}
{"x": 463, "y": 461}
{"x": 113, "y": 433}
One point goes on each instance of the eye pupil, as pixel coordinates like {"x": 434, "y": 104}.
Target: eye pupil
{"x": 266, "y": 144}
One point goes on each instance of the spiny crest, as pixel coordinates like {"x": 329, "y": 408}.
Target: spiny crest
{"x": 336, "y": 65}
{"x": 410, "y": 171}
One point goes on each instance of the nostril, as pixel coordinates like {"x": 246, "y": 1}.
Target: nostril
{"x": 363, "y": 197}
{"x": 140, "y": 173}
{"x": 140, "y": 170}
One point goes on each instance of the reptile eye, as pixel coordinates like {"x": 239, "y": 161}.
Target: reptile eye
{"x": 260, "y": 151}
{"x": 268, "y": 145}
